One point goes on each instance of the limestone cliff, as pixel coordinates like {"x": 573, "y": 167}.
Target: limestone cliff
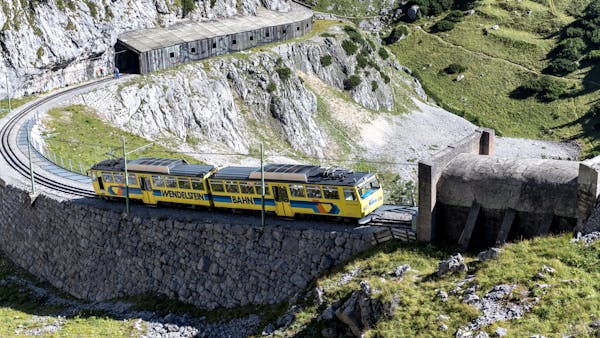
{"x": 45, "y": 44}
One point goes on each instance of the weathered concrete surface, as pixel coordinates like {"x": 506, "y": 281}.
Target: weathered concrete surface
{"x": 524, "y": 185}
{"x": 89, "y": 250}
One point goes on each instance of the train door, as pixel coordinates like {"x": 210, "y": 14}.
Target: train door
{"x": 282, "y": 201}
{"x": 147, "y": 192}
{"x": 100, "y": 184}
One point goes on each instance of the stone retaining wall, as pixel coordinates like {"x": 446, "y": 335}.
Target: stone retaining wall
{"x": 92, "y": 252}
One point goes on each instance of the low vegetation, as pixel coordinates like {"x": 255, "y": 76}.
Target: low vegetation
{"x": 352, "y": 81}
{"x": 77, "y": 134}
{"x": 568, "y": 300}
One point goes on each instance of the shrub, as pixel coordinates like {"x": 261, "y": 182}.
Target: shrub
{"x": 561, "y": 67}
{"x": 349, "y": 47}
{"x": 351, "y": 82}
{"x": 593, "y": 55}
{"x": 386, "y": 79}
{"x": 284, "y": 73}
{"x": 374, "y": 85}
{"x": 594, "y": 36}
{"x": 354, "y": 34}
{"x": 544, "y": 88}
{"x": 396, "y": 34}
{"x": 455, "y": 16}
{"x": 383, "y": 53}
{"x": 443, "y": 26}
{"x": 574, "y": 32}
{"x": 271, "y": 87}
{"x": 362, "y": 60}
{"x": 455, "y": 68}
{"x": 187, "y": 6}
{"x": 325, "y": 60}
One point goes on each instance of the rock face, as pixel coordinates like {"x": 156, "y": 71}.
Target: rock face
{"x": 54, "y": 43}
{"x": 224, "y": 103}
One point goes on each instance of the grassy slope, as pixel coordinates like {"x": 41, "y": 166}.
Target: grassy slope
{"x": 500, "y": 62}
{"x": 567, "y": 306}
{"x": 78, "y": 134}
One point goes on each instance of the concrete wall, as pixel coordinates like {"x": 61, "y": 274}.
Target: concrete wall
{"x": 480, "y": 142}
{"x": 87, "y": 249}
{"x": 173, "y": 55}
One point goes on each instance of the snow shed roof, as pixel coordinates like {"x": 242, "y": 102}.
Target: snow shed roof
{"x": 145, "y": 40}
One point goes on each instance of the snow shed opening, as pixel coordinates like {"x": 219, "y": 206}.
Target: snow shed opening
{"x": 127, "y": 59}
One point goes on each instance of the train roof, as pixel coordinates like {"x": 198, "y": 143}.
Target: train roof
{"x": 167, "y": 166}
{"x": 295, "y": 173}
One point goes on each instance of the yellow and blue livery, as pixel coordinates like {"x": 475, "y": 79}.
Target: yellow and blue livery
{"x": 290, "y": 189}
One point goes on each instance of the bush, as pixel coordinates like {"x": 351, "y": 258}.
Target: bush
{"x": 349, "y": 47}
{"x": 396, "y": 34}
{"x": 362, "y": 60}
{"x": 386, "y": 79}
{"x": 187, "y": 6}
{"x": 354, "y": 34}
{"x": 325, "y": 60}
{"x": 593, "y": 55}
{"x": 443, "y": 26}
{"x": 383, "y": 53}
{"x": 455, "y": 16}
{"x": 455, "y": 68}
{"x": 284, "y": 73}
{"x": 574, "y": 32}
{"x": 271, "y": 87}
{"x": 561, "y": 67}
{"x": 374, "y": 85}
{"x": 594, "y": 36}
{"x": 351, "y": 82}
{"x": 544, "y": 88}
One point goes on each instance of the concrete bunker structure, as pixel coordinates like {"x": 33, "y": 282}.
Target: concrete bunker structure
{"x": 148, "y": 50}
{"x": 469, "y": 197}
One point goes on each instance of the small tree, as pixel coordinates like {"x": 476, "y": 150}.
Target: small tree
{"x": 443, "y": 26}
{"x": 455, "y": 68}
{"x": 383, "y": 53}
{"x": 352, "y": 81}
{"x": 349, "y": 47}
{"x": 361, "y": 60}
{"x": 561, "y": 67}
{"x": 284, "y": 73}
{"x": 455, "y": 16}
{"x": 325, "y": 60}
{"x": 374, "y": 85}
{"x": 187, "y": 6}
{"x": 271, "y": 87}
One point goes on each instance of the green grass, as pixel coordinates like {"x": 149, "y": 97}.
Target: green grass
{"x": 565, "y": 308}
{"x": 14, "y": 103}
{"x": 484, "y": 95}
{"x": 76, "y": 133}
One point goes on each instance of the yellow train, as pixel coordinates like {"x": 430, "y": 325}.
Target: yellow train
{"x": 290, "y": 189}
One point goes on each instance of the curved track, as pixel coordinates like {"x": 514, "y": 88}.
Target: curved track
{"x": 18, "y": 161}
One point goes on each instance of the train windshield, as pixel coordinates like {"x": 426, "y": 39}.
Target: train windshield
{"x": 366, "y": 189}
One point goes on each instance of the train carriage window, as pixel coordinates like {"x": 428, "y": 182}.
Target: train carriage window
{"x": 132, "y": 179}
{"x": 349, "y": 194}
{"x": 216, "y": 186}
{"x": 158, "y": 181}
{"x": 313, "y": 191}
{"x": 197, "y": 184}
{"x": 119, "y": 178}
{"x": 331, "y": 193}
{"x": 184, "y": 183}
{"x": 232, "y": 187}
{"x": 107, "y": 177}
{"x": 259, "y": 189}
{"x": 374, "y": 184}
{"x": 297, "y": 190}
{"x": 171, "y": 182}
{"x": 246, "y": 188}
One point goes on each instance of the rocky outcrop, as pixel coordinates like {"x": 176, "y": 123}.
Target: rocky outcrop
{"x": 453, "y": 264}
{"x": 54, "y": 43}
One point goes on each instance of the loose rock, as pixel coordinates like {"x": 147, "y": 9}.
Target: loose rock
{"x": 452, "y": 264}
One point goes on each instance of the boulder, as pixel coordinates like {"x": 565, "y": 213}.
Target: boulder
{"x": 452, "y": 264}
{"x": 360, "y": 311}
{"x": 492, "y": 253}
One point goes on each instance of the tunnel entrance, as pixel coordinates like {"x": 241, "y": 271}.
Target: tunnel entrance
{"x": 126, "y": 59}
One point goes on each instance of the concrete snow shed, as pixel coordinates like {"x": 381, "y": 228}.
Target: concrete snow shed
{"x": 149, "y": 50}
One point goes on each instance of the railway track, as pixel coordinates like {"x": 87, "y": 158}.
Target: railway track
{"x": 15, "y": 158}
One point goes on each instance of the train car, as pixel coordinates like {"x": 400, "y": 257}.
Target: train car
{"x": 298, "y": 189}
{"x": 154, "y": 180}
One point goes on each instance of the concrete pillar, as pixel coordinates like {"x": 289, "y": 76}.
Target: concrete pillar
{"x": 465, "y": 236}
{"x": 427, "y": 200}
{"x": 587, "y": 194}
{"x": 507, "y": 222}
{"x": 486, "y": 143}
